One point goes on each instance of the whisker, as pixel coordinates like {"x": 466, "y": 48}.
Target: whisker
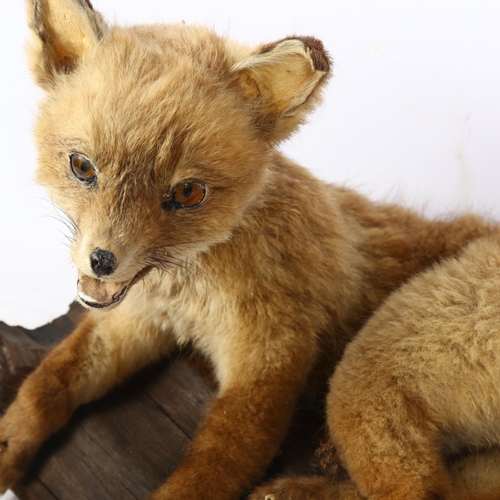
{"x": 61, "y": 215}
{"x": 163, "y": 261}
{"x": 167, "y": 263}
{"x": 67, "y": 243}
{"x": 161, "y": 254}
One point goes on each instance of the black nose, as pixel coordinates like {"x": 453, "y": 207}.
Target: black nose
{"x": 102, "y": 262}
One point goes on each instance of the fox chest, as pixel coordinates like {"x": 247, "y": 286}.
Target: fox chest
{"x": 194, "y": 312}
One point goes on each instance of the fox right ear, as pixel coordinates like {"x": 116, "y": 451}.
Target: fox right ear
{"x": 62, "y": 33}
{"x": 282, "y": 82}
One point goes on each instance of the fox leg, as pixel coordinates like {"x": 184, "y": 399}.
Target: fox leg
{"x": 242, "y": 429}
{"x": 477, "y": 476}
{"x": 237, "y": 440}
{"x": 98, "y": 354}
{"x": 385, "y": 440}
{"x": 474, "y": 477}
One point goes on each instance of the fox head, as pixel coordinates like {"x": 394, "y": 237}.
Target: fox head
{"x": 156, "y": 139}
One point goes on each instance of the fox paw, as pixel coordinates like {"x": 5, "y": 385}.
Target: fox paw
{"x": 298, "y": 488}
{"x": 13, "y": 462}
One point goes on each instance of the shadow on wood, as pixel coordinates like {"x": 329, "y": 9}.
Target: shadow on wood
{"x": 126, "y": 444}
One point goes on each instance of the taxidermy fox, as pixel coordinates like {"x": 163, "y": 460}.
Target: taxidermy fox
{"x": 160, "y": 142}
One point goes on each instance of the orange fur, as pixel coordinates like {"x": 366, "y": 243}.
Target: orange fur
{"x": 420, "y": 380}
{"x": 416, "y": 386}
{"x": 269, "y": 270}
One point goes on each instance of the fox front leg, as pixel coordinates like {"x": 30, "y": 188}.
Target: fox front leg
{"x": 98, "y": 354}
{"x": 241, "y": 432}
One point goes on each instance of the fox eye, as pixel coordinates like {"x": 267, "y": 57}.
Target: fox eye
{"x": 83, "y": 169}
{"x": 185, "y": 195}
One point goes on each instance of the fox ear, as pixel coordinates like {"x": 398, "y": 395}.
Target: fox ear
{"x": 62, "y": 33}
{"x": 282, "y": 80}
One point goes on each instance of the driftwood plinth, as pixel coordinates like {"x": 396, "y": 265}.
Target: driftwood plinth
{"x": 125, "y": 445}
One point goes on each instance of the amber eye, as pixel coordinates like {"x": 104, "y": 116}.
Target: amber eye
{"x": 83, "y": 169}
{"x": 185, "y": 195}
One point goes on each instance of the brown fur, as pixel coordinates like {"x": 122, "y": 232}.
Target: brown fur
{"x": 421, "y": 379}
{"x": 420, "y": 383}
{"x": 273, "y": 268}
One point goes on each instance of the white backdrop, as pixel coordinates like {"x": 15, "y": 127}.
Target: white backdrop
{"x": 412, "y": 115}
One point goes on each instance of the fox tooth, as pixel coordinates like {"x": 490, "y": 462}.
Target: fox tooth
{"x": 87, "y": 298}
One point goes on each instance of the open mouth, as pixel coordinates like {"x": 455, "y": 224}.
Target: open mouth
{"x": 97, "y": 294}
{"x": 93, "y": 292}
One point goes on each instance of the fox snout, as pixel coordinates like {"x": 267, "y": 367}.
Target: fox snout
{"x": 104, "y": 276}
{"x": 103, "y": 262}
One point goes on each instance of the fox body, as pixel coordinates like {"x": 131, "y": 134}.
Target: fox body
{"x": 417, "y": 388}
{"x": 159, "y": 142}
{"x": 422, "y": 379}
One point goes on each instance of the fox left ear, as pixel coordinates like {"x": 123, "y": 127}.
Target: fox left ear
{"x": 283, "y": 82}
{"x": 63, "y": 31}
